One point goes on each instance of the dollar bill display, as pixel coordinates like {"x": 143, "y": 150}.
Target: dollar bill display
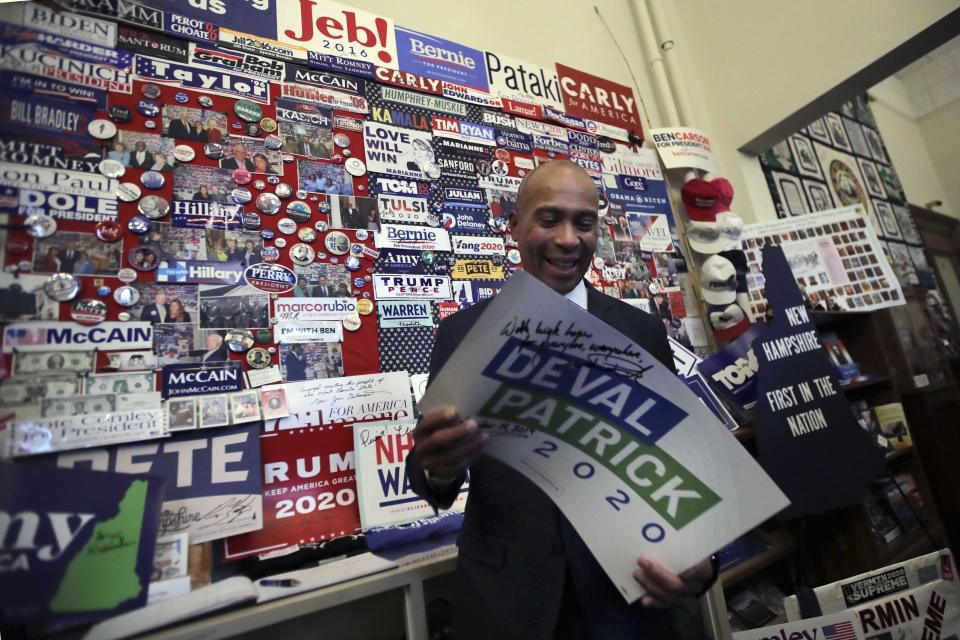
{"x": 53, "y": 362}
{"x": 32, "y": 389}
{"x": 120, "y": 383}
{"x": 100, "y": 403}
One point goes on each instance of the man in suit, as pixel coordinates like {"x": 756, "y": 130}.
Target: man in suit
{"x": 158, "y": 311}
{"x": 523, "y": 571}
{"x": 141, "y": 158}
{"x": 323, "y": 289}
{"x": 68, "y": 259}
{"x": 216, "y": 350}
{"x": 295, "y": 363}
{"x": 238, "y": 160}
{"x": 181, "y": 128}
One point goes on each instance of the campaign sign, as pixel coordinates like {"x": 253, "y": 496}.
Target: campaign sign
{"x": 440, "y": 59}
{"x": 403, "y": 209}
{"x": 514, "y": 141}
{"x": 801, "y": 412}
{"x": 72, "y": 336}
{"x": 152, "y": 44}
{"x": 651, "y": 231}
{"x": 67, "y": 531}
{"x": 398, "y": 260}
{"x": 483, "y": 290}
{"x": 290, "y": 309}
{"x": 77, "y": 49}
{"x": 270, "y": 277}
{"x": 637, "y": 464}
{"x": 201, "y": 379}
{"x": 423, "y": 101}
{"x": 513, "y": 79}
{"x": 476, "y": 270}
{"x": 317, "y": 331}
{"x": 398, "y": 186}
{"x": 325, "y": 79}
{"x": 309, "y": 491}
{"x": 395, "y": 236}
{"x": 334, "y": 29}
{"x": 199, "y": 272}
{"x": 62, "y": 206}
{"x": 240, "y": 62}
{"x": 682, "y": 147}
{"x": 471, "y": 220}
{"x": 212, "y": 478}
{"x": 337, "y": 64}
{"x": 733, "y": 369}
{"x": 55, "y": 152}
{"x": 205, "y": 80}
{"x": 37, "y": 60}
{"x": 397, "y": 151}
{"x": 206, "y": 215}
{"x": 589, "y": 96}
{"x": 465, "y": 197}
{"x": 333, "y": 401}
{"x": 392, "y": 286}
{"x": 396, "y": 314}
{"x": 54, "y": 20}
{"x": 478, "y": 246}
{"x": 13, "y": 174}
{"x": 24, "y": 83}
{"x": 29, "y": 437}
{"x": 385, "y": 496}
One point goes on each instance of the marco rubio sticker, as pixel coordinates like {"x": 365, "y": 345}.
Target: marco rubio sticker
{"x": 441, "y": 59}
{"x": 395, "y": 286}
{"x": 334, "y": 29}
{"x": 403, "y": 209}
{"x": 270, "y": 277}
{"x": 395, "y": 314}
{"x": 589, "y": 96}
{"x": 289, "y": 309}
{"x": 477, "y": 246}
{"x": 201, "y": 379}
{"x": 395, "y": 236}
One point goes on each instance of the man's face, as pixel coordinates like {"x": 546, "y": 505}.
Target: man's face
{"x": 213, "y": 341}
{"x": 239, "y": 152}
{"x": 556, "y": 226}
{"x": 161, "y": 298}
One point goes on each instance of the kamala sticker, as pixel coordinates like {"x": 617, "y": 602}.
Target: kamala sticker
{"x": 272, "y": 278}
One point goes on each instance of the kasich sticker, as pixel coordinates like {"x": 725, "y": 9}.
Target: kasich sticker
{"x": 270, "y": 277}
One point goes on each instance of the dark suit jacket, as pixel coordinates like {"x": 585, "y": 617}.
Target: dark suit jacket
{"x": 151, "y": 313}
{"x": 176, "y": 129}
{"x": 516, "y": 549}
{"x": 231, "y": 163}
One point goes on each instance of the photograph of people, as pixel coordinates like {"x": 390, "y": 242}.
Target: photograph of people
{"x": 294, "y": 363}
{"x": 213, "y": 412}
{"x": 301, "y": 290}
{"x": 216, "y": 350}
{"x": 181, "y": 127}
{"x": 176, "y": 312}
{"x": 120, "y": 153}
{"x": 183, "y": 414}
{"x": 140, "y": 158}
{"x": 323, "y": 289}
{"x": 238, "y": 158}
{"x": 160, "y": 162}
{"x": 157, "y": 311}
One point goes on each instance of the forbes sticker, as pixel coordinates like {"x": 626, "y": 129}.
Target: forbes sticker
{"x": 201, "y": 379}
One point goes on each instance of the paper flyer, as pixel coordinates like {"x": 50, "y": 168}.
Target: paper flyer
{"x": 632, "y": 457}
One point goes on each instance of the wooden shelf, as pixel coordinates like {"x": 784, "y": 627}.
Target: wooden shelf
{"x": 863, "y": 384}
{"x": 781, "y": 543}
{"x": 893, "y": 455}
{"x": 912, "y": 544}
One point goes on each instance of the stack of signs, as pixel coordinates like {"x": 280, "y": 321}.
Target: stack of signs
{"x": 78, "y": 545}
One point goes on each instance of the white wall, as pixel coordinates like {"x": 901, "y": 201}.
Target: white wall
{"x": 923, "y": 174}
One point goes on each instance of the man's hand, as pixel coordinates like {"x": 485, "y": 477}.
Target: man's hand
{"x": 663, "y": 587}
{"x": 446, "y": 445}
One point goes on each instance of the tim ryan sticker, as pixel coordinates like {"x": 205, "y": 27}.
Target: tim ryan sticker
{"x": 270, "y": 277}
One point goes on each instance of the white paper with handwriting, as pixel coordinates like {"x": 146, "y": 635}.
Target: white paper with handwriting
{"x": 633, "y": 459}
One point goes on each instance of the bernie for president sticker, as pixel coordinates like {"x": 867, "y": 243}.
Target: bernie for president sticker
{"x": 269, "y": 277}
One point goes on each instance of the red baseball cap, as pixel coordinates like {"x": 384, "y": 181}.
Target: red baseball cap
{"x": 705, "y": 199}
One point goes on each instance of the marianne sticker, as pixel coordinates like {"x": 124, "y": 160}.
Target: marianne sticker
{"x": 272, "y": 278}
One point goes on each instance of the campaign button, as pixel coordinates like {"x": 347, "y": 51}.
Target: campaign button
{"x": 258, "y": 358}
{"x": 153, "y": 179}
{"x": 109, "y": 230}
{"x": 253, "y": 130}
{"x": 150, "y": 124}
{"x": 268, "y": 203}
{"x": 181, "y": 97}
{"x": 341, "y": 140}
{"x": 248, "y": 110}
{"x": 280, "y": 242}
{"x": 205, "y": 101}
{"x": 287, "y": 158}
{"x": 89, "y": 311}
{"x": 259, "y": 185}
{"x": 321, "y": 256}
{"x": 337, "y": 243}
{"x": 40, "y": 225}
{"x": 352, "y": 263}
{"x": 273, "y": 142}
{"x": 428, "y": 258}
{"x": 270, "y": 254}
{"x": 364, "y": 307}
{"x": 268, "y": 124}
{"x": 241, "y": 196}
{"x": 271, "y": 350}
{"x": 355, "y": 167}
{"x": 119, "y": 113}
{"x": 126, "y": 296}
{"x": 153, "y": 207}
{"x": 347, "y": 153}
{"x": 62, "y": 287}
{"x": 251, "y": 220}
{"x": 236, "y": 124}
{"x": 502, "y": 155}
{"x": 321, "y": 226}
{"x": 144, "y": 258}
{"x": 151, "y": 90}
{"x": 283, "y": 190}
{"x": 513, "y": 256}
{"x": 102, "y": 129}
{"x": 351, "y": 322}
{"x": 302, "y": 194}
{"x": 298, "y": 214}
{"x": 124, "y": 316}
{"x": 307, "y": 234}
{"x": 299, "y": 207}
{"x": 432, "y": 170}
{"x": 286, "y": 226}
{"x": 103, "y": 291}
{"x": 126, "y": 275}
{"x": 184, "y": 153}
{"x": 358, "y": 283}
{"x": 362, "y": 234}
{"x": 597, "y": 262}
{"x": 148, "y": 109}
{"x": 213, "y": 150}
{"x": 356, "y": 249}
{"x": 267, "y": 234}
{"x": 139, "y": 225}
{"x": 302, "y": 254}
{"x": 241, "y": 176}
{"x": 264, "y": 336}
{"x": 238, "y": 340}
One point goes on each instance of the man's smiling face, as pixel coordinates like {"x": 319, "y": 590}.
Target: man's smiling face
{"x": 555, "y": 224}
